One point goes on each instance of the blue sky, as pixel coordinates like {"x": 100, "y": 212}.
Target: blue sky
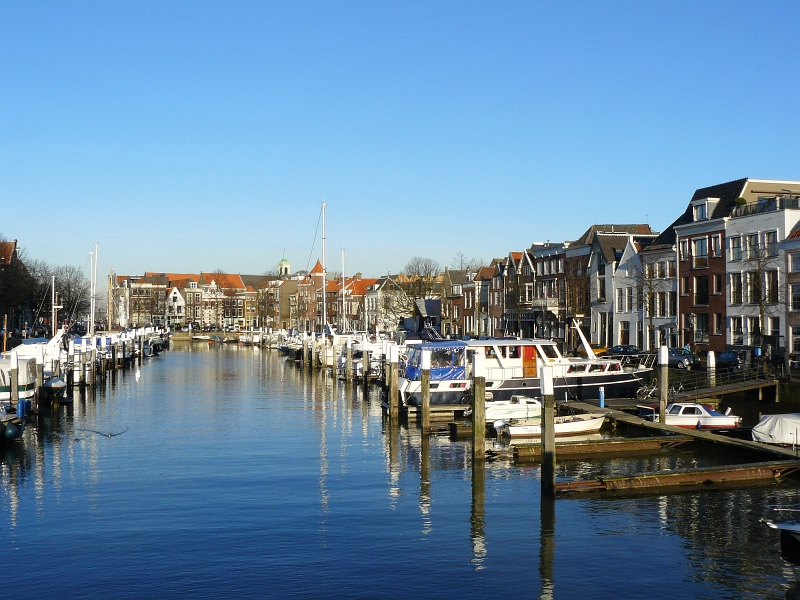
{"x": 189, "y": 136}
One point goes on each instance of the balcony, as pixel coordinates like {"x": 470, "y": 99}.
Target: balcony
{"x": 545, "y": 303}
{"x": 763, "y": 205}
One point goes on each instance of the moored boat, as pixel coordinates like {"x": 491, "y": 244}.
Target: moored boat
{"x": 568, "y": 425}
{"x": 518, "y": 407}
{"x": 778, "y": 429}
{"x": 512, "y": 367}
{"x": 691, "y": 415}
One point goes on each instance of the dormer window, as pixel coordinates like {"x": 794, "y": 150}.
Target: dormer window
{"x": 192, "y": 284}
{"x": 700, "y": 212}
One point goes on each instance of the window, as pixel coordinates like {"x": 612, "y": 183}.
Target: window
{"x": 736, "y": 248}
{"x": 717, "y": 283}
{"x": 684, "y": 286}
{"x": 775, "y": 326}
{"x": 717, "y": 323}
{"x": 700, "y": 212}
{"x": 771, "y": 243}
{"x": 753, "y": 288}
{"x": 795, "y": 339}
{"x": 752, "y": 245}
{"x": 601, "y": 289}
{"x": 684, "y": 250}
{"x": 649, "y": 271}
{"x": 629, "y": 306}
{"x": 701, "y": 290}
{"x": 660, "y": 270}
{"x": 737, "y": 335}
{"x": 796, "y": 296}
{"x": 700, "y": 251}
{"x": 661, "y": 304}
{"x": 794, "y": 258}
{"x": 701, "y": 328}
{"x": 620, "y": 306}
{"x": 736, "y": 288}
{"x": 672, "y": 268}
{"x": 771, "y": 286}
{"x": 673, "y": 304}
{"x": 716, "y": 245}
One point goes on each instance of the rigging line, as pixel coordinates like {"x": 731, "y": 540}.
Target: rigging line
{"x": 310, "y": 254}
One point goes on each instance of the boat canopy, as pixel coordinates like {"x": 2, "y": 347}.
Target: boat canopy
{"x": 778, "y": 429}
{"x": 448, "y": 360}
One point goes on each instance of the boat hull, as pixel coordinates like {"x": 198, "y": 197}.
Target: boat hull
{"x": 563, "y": 426}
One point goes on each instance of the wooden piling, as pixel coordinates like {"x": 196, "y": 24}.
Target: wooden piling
{"x": 394, "y": 395}
{"x": 14, "y": 372}
{"x": 663, "y": 390}
{"x": 478, "y": 419}
{"x": 39, "y": 383}
{"x": 425, "y": 384}
{"x": 548, "y": 433}
{"x": 348, "y": 365}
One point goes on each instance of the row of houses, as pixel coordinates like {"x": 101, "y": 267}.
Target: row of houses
{"x": 724, "y": 275}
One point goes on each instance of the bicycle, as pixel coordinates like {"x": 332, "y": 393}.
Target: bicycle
{"x": 674, "y": 391}
{"x": 648, "y": 391}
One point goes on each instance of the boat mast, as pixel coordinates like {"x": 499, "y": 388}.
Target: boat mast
{"x": 93, "y": 282}
{"x": 342, "y": 315}
{"x": 324, "y": 277}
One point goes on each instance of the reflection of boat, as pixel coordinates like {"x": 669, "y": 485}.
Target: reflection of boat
{"x": 691, "y": 415}
{"x": 569, "y": 425}
{"x": 786, "y": 519}
{"x": 778, "y": 429}
{"x": 512, "y": 367}
{"x": 519, "y": 407}
{"x": 201, "y": 338}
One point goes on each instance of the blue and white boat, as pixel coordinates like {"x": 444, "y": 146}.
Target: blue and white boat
{"x": 512, "y": 367}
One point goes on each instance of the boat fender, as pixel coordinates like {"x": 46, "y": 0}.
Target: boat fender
{"x": 11, "y": 431}
{"x": 499, "y": 424}
{"x": 727, "y": 411}
{"x": 698, "y": 426}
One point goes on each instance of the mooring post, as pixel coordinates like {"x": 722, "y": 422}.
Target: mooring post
{"x": 348, "y": 364}
{"x": 478, "y": 407}
{"x": 82, "y": 374}
{"x": 394, "y": 398}
{"x": 304, "y": 356}
{"x": 14, "y": 372}
{"x": 548, "y": 432}
{"x": 39, "y": 384}
{"x": 663, "y": 383}
{"x": 367, "y": 360}
{"x": 711, "y": 367}
{"x": 122, "y": 359}
{"x": 426, "y": 391}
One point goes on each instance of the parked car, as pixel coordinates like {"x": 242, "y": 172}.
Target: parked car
{"x": 730, "y": 360}
{"x": 677, "y": 359}
{"x": 598, "y": 349}
{"x": 624, "y": 350}
{"x": 694, "y": 360}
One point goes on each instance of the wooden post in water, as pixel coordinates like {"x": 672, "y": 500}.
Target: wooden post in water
{"x": 394, "y": 399}
{"x": 548, "y": 432}
{"x": 426, "y": 391}
{"x": 122, "y": 358}
{"x": 304, "y": 356}
{"x": 39, "y": 384}
{"x": 82, "y": 374}
{"x": 367, "y": 359}
{"x": 663, "y": 383}
{"x": 348, "y": 365}
{"x": 14, "y": 372}
{"x": 478, "y": 408}
{"x": 712, "y": 368}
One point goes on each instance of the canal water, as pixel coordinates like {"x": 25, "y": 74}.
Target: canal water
{"x": 229, "y": 472}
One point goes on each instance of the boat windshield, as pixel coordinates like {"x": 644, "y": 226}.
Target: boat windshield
{"x": 447, "y": 362}
{"x": 549, "y": 351}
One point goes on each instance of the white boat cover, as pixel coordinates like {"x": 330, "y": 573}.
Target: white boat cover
{"x": 778, "y": 429}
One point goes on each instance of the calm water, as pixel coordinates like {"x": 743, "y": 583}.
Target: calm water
{"x": 235, "y": 474}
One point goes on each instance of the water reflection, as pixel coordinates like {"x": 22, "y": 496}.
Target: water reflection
{"x": 478, "y": 515}
{"x": 547, "y": 545}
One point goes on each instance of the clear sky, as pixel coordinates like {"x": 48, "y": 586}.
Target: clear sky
{"x": 189, "y": 136}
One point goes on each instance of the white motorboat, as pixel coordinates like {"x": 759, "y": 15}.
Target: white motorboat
{"x": 568, "y": 425}
{"x": 519, "y": 407}
{"x": 512, "y": 367}
{"x": 778, "y": 429}
{"x": 786, "y": 519}
{"x": 691, "y": 415}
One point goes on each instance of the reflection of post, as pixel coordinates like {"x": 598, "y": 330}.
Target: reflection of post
{"x": 426, "y": 391}
{"x": 366, "y": 360}
{"x": 478, "y": 408}
{"x": 663, "y": 361}
{"x": 477, "y": 520}
{"x": 425, "y": 481}
{"x": 394, "y": 401}
{"x": 548, "y": 432}
{"x": 547, "y": 545}
{"x": 348, "y": 365}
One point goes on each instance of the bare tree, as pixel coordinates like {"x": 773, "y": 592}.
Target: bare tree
{"x": 422, "y": 277}
{"x": 460, "y": 262}
{"x": 73, "y": 290}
